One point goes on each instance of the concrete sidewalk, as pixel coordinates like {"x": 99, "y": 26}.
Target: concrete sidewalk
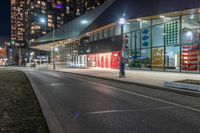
{"x": 142, "y": 77}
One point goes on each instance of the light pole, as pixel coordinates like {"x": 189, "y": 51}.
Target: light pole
{"x": 53, "y": 52}
{"x": 43, "y": 21}
{"x": 122, "y": 21}
{"x": 20, "y": 54}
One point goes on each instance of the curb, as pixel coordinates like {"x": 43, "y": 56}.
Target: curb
{"x": 51, "y": 119}
{"x": 191, "y": 87}
{"x": 167, "y": 89}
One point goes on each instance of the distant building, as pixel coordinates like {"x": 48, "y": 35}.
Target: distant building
{"x": 18, "y": 22}
{"x": 26, "y": 16}
{"x": 4, "y": 41}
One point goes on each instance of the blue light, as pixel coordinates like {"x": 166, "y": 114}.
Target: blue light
{"x": 42, "y": 20}
{"x": 59, "y": 6}
{"x": 10, "y": 50}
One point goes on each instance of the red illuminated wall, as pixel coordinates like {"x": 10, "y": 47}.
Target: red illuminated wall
{"x": 106, "y": 60}
{"x": 91, "y": 60}
{"x": 190, "y": 58}
{"x": 115, "y": 60}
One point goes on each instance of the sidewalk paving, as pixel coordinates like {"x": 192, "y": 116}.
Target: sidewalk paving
{"x": 142, "y": 77}
{"x": 153, "y": 78}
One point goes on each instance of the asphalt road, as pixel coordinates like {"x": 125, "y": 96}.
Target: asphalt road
{"x": 90, "y": 105}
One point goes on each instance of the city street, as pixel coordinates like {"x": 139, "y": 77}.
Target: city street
{"x": 90, "y": 105}
{"x": 100, "y": 66}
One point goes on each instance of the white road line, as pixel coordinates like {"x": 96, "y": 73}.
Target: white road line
{"x": 121, "y": 111}
{"x": 141, "y": 95}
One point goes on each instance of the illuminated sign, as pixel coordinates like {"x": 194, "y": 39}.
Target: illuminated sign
{"x": 3, "y": 52}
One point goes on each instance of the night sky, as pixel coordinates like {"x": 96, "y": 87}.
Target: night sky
{"x": 5, "y": 18}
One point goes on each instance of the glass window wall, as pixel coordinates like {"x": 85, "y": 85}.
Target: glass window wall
{"x": 133, "y": 38}
{"x": 146, "y": 59}
{"x": 146, "y": 23}
{"x": 95, "y": 36}
{"x": 190, "y": 50}
{"x": 105, "y": 33}
{"x": 91, "y": 38}
{"x": 117, "y": 30}
{"x": 135, "y": 26}
{"x": 158, "y": 35}
{"x": 135, "y": 59}
{"x": 157, "y": 21}
{"x": 112, "y": 32}
{"x": 127, "y": 27}
{"x": 129, "y": 40}
{"x": 137, "y": 39}
{"x": 172, "y": 58}
{"x": 100, "y": 35}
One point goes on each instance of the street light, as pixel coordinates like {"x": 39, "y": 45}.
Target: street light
{"x": 56, "y": 49}
{"x": 122, "y": 21}
{"x": 189, "y": 34}
{"x": 53, "y": 39}
{"x": 43, "y": 21}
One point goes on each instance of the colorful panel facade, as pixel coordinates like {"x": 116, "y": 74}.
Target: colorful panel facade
{"x": 172, "y": 32}
{"x": 158, "y": 59}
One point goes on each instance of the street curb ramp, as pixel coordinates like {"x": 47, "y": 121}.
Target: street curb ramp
{"x": 51, "y": 119}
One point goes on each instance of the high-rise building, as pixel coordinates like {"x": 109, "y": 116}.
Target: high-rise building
{"x": 56, "y": 13}
{"x": 18, "y": 22}
{"x": 25, "y": 16}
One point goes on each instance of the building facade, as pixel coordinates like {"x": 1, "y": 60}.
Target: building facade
{"x": 18, "y": 22}
{"x": 168, "y": 41}
{"x": 26, "y": 15}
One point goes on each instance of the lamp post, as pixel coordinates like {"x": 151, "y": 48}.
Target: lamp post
{"x": 122, "y": 21}
{"x": 20, "y": 56}
{"x": 43, "y": 21}
{"x": 53, "y": 52}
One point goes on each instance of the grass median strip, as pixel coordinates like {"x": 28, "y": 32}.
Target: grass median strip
{"x": 19, "y": 109}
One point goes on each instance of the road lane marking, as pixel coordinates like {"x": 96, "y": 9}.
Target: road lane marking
{"x": 141, "y": 95}
{"x": 137, "y": 110}
{"x": 137, "y": 94}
